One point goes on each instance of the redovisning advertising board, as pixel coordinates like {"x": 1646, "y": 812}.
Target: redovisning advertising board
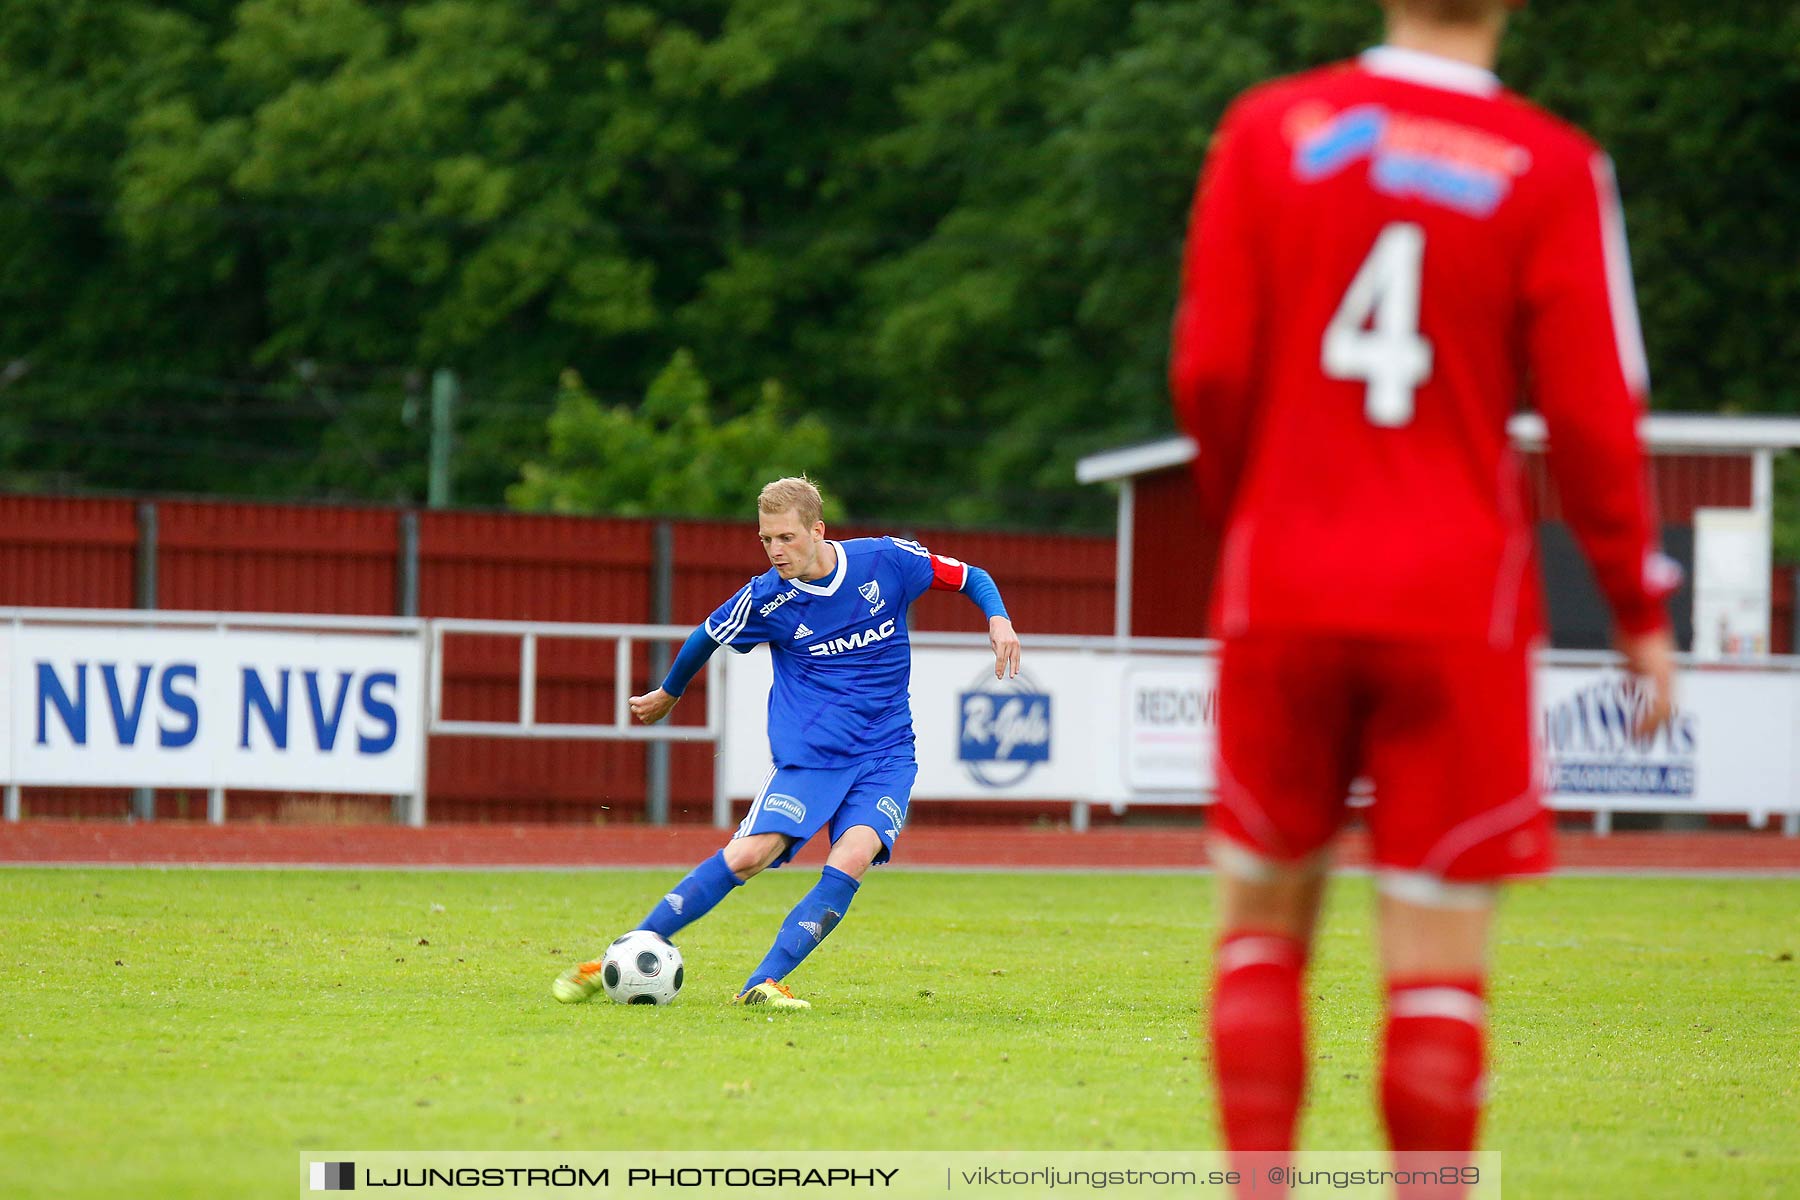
{"x": 1170, "y": 724}
{"x": 189, "y": 708}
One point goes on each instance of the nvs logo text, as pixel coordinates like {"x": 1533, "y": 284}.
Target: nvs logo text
{"x": 266, "y": 705}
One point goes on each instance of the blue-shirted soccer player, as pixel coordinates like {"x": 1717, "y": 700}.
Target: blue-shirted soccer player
{"x": 840, "y": 720}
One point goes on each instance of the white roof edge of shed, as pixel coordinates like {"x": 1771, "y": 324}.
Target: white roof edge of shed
{"x": 1711, "y": 432}
{"x": 1664, "y": 432}
{"x": 1141, "y": 459}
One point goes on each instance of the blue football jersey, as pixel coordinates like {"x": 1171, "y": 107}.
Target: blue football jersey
{"x": 842, "y": 658}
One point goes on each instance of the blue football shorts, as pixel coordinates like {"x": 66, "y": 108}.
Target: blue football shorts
{"x": 800, "y": 801}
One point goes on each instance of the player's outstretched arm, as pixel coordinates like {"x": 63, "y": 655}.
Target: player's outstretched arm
{"x": 1006, "y": 647}
{"x": 656, "y": 704}
{"x": 954, "y": 575}
{"x": 984, "y": 594}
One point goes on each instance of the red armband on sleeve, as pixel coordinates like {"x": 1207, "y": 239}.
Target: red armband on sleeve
{"x": 948, "y": 574}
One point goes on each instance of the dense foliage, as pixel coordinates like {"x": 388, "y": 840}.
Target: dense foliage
{"x": 239, "y": 235}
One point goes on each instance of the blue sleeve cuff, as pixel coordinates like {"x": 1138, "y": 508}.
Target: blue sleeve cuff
{"x": 693, "y": 655}
{"x": 980, "y": 588}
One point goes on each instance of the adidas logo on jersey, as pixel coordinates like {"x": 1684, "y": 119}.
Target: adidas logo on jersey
{"x": 801, "y": 632}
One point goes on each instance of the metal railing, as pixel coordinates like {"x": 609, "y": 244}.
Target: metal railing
{"x": 528, "y": 723}
{"x": 530, "y": 633}
{"x": 622, "y": 727}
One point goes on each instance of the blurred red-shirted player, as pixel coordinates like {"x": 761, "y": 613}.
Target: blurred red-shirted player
{"x": 1384, "y": 257}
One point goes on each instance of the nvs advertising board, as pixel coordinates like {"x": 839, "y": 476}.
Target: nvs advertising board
{"x": 182, "y": 708}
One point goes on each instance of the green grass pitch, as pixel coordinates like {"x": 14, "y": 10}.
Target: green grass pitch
{"x": 182, "y": 1033}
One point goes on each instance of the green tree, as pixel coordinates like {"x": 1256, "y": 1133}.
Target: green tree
{"x": 668, "y": 455}
{"x": 1033, "y": 318}
{"x": 240, "y": 234}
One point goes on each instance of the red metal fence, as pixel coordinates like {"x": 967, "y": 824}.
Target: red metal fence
{"x": 239, "y": 557}
{"x": 68, "y": 553}
{"x": 227, "y": 556}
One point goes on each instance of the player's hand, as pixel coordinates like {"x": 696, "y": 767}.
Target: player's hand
{"x": 1651, "y": 657}
{"x": 1006, "y": 647}
{"x": 652, "y": 707}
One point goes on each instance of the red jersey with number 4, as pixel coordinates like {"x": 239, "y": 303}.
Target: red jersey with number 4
{"x": 1384, "y": 258}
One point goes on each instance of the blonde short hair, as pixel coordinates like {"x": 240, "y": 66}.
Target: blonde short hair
{"x": 795, "y": 493}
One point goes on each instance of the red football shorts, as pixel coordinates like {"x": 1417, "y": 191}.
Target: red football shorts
{"x": 1441, "y": 729}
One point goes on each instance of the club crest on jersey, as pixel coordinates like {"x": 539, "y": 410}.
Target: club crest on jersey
{"x": 1410, "y": 156}
{"x": 871, "y": 591}
{"x": 854, "y": 641}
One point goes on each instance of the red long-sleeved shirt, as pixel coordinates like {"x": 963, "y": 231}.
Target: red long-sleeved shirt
{"x": 1383, "y": 257}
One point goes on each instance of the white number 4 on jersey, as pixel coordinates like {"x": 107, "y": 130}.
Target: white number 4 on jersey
{"x": 1374, "y": 335}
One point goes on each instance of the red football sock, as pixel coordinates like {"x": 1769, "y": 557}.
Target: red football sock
{"x": 1258, "y": 1039}
{"x": 1431, "y": 1077}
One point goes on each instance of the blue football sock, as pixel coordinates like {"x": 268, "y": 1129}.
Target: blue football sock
{"x": 693, "y": 897}
{"x": 816, "y": 915}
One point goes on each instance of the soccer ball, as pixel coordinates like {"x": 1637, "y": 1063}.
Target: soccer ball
{"x": 641, "y": 968}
